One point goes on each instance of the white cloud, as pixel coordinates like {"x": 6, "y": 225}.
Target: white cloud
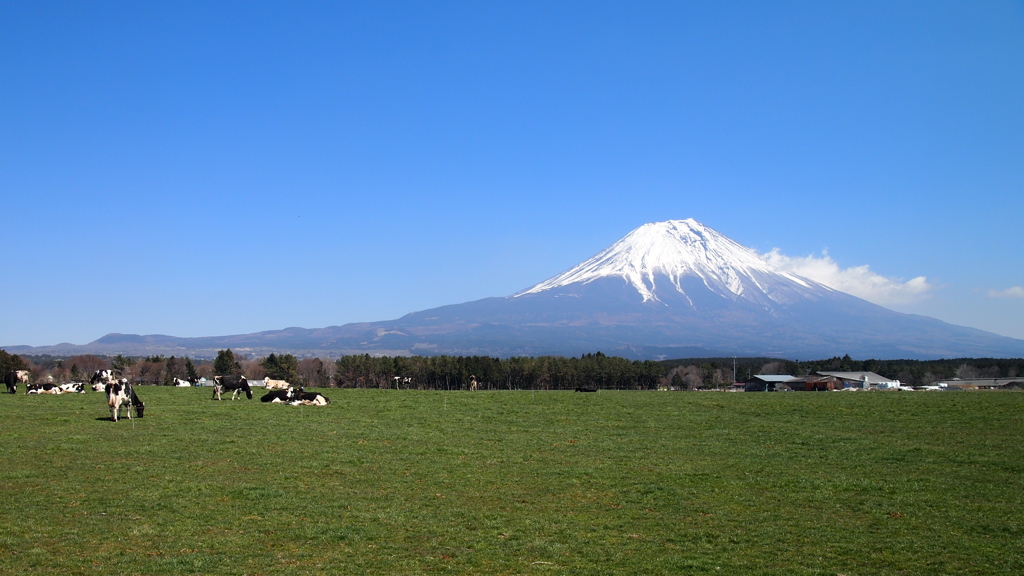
{"x": 1014, "y": 292}
{"x": 859, "y": 280}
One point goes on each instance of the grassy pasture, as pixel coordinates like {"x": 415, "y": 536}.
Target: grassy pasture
{"x": 409, "y": 482}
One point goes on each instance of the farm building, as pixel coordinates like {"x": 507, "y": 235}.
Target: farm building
{"x": 985, "y": 383}
{"x": 862, "y": 380}
{"x": 767, "y": 382}
{"x": 815, "y": 383}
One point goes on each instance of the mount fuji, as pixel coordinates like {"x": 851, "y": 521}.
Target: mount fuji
{"x": 678, "y": 288}
{"x": 666, "y": 290}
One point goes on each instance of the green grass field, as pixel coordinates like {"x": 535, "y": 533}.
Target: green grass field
{"x": 409, "y": 482}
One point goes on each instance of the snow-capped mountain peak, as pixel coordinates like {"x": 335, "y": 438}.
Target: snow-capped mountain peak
{"x": 677, "y": 249}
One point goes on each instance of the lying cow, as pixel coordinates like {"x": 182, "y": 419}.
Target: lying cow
{"x": 275, "y": 384}
{"x": 279, "y": 395}
{"x": 185, "y": 383}
{"x": 121, "y": 395}
{"x": 43, "y": 389}
{"x": 296, "y": 397}
{"x": 73, "y": 388}
{"x": 234, "y": 383}
{"x": 310, "y": 398}
{"x": 14, "y": 377}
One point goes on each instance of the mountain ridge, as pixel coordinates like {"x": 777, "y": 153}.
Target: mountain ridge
{"x": 665, "y": 288}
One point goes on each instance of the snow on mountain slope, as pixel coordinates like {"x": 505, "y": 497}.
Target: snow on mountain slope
{"x": 674, "y": 250}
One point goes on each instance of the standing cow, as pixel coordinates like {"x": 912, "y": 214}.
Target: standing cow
{"x": 234, "y": 383}
{"x": 15, "y": 377}
{"x": 101, "y": 378}
{"x": 121, "y": 395}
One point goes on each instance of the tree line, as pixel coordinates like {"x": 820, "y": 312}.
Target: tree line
{"x": 515, "y": 373}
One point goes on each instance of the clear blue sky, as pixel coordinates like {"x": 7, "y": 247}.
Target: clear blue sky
{"x": 212, "y": 168}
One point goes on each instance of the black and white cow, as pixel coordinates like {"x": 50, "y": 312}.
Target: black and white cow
{"x": 279, "y": 395}
{"x": 35, "y": 388}
{"x": 234, "y": 383}
{"x": 185, "y": 383}
{"x": 121, "y": 395}
{"x": 101, "y": 378}
{"x": 73, "y": 387}
{"x": 14, "y": 377}
{"x": 314, "y": 398}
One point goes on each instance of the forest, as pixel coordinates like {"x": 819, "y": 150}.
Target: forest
{"x": 515, "y": 373}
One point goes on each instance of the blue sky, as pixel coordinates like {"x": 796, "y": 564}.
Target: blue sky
{"x": 213, "y": 168}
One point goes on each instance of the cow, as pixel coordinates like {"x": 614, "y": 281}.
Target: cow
{"x": 275, "y": 384}
{"x": 186, "y": 383}
{"x": 586, "y": 388}
{"x": 14, "y": 377}
{"x": 279, "y": 395}
{"x": 235, "y": 383}
{"x": 43, "y": 389}
{"x": 121, "y": 394}
{"x": 101, "y": 378}
{"x": 310, "y": 398}
{"x": 73, "y": 387}
{"x": 473, "y": 383}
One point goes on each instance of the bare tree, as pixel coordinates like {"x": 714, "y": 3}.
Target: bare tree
{"x": 61, "y": 373}
{"x": 205, "y": 371}
{"x": 314, "y": 372}
{"x": 692, "y": 376}
{"x": 777, "y": 368}
{"x": 87, "y": 364}
{"x": 148, "y": 372}
{"x": 252, "y": 369}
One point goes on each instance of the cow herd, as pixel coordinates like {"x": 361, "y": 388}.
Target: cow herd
{"x": 15, "y": 377}
{"x": 121, "y": 396}
{"x": 281, "y": 392}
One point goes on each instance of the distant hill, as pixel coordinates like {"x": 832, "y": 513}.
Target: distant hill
{"x": 666, "y": 290}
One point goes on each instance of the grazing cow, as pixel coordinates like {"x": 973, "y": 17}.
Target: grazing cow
{"x": 15, "y": 377}
{"x": 234, "y": 383}
{"x": 121, "y": 394}
{"x": 279, "y": 395}
{"x": 275, "y": 384}
{"x": 309, "y": 398}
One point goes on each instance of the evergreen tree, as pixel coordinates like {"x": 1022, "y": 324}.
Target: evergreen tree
{"x": 678, "y": 383}
{"x": 225, "y": 364}
{"x": 175, "y": 369}
{"x": 190, "y": 370}
{"x": 120, "y": 363}
{"x": 283, "y": 367}
{"x": 10, "y": 362}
